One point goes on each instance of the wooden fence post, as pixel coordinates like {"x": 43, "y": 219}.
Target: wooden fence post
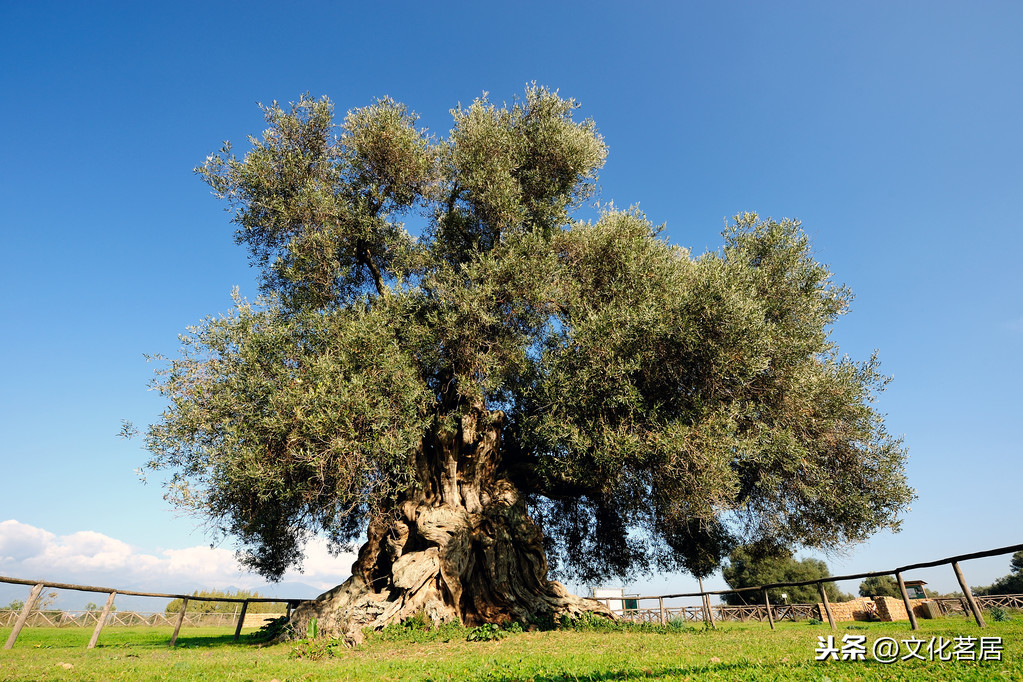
{"x": 660, "y": 605}
{"x": 23, "y": 616}
{"x": 287, "y": 613}
{"x": 767, "y": 603}
{"x": 708, "y": 617}
{"x": 827, "y": 604}
{"x": 969, "y": 595}
{"x": 241, "y": 620}
{"x": 905, "y": 600}
{"x": 180, "y": 620}
{"x": 102, "y": 620}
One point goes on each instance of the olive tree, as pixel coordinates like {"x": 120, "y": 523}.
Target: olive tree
{"x": 509, "y": 389}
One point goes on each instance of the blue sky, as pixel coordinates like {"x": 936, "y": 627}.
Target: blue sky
{"x": 890, "y": 129}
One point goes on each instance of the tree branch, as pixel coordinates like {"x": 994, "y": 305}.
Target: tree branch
{"x": 367, "y": 258}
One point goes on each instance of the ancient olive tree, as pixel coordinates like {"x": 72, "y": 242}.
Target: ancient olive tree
{"x": 506, "y": 386}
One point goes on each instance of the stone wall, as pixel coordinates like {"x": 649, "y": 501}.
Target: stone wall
{"x": 887, "y": 609}
{"x": 258, "y": 620}
{"x": 890, "y": 609}
{"x": 857, "y": 609}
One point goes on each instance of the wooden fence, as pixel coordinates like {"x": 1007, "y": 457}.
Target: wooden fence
{"x": 697, "y": 614}
{"x": 706, "y": 612}
{"x": 794, "y": 612}
{"x": 661, "y": 614}
{"x": 81, "y": 619}
{"x": 109, "y": 616}
{"x": 949, "y": 605}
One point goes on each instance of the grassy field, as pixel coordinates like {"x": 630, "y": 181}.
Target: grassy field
{"x": 734, "y": 651}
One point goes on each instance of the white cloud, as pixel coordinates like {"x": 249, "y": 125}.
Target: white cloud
{"x": 91, "y": 558}
{"x": 19, "y": 541}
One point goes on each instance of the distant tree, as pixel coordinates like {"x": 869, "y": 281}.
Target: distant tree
{"x": 45, "y": 602}
{"x": 1009, "y": 584}
{"x": 91, "y": 606}
{"x": 750, "y": 565}
{"x": 880, "y": 586}
{"x": 198, "y": 606}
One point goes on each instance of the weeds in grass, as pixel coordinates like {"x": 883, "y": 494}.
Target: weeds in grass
{"x": 314, "y": 648}
{"x": 487, "y": 632}
{"x": 418, "y": 628}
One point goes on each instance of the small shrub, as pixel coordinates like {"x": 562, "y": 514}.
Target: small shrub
{"x": 271, "y": 630}
{"x": 543, "y": 620}
{"x": 513, "y": 627}
{"x": 999, "y": 615}
{"x": 485, "y": 633}
{"x": 678, "y": 625}
{"x": 420, "y": 628}
{"x": 591, "y": 622}
{"x": 814, "y": 621}
{"x": 313, "y": 648}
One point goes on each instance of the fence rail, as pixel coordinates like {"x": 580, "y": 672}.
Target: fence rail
{"x": 795, "y": 612}
{"x": 109, "y": 616}
{"x": 661, "y": 614}
{"x": 707, "y": 614}
{"x": 80, "y": 619}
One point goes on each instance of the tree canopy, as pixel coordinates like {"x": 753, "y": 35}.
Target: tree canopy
{"x": 646, "y": 406}
{"x": 1007, "y": 584}
{"x": 750, "y": 566}
{"x": 880, "y": 586}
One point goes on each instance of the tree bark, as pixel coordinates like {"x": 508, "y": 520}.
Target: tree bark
{"x": 461, "y": 546}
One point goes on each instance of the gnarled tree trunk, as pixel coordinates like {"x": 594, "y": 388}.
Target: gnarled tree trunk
{"x": 462, "y": 546}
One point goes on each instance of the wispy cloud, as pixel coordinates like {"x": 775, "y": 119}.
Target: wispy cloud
{"x": 88, "y": 557}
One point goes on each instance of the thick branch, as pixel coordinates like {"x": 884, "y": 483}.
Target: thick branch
{"x": 367, "y": 259}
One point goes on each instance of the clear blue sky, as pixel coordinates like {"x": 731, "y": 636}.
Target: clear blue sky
{"x": 891, "y": 129}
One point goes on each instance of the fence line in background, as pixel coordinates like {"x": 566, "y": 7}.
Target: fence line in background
{"x": 790, "y": 612}
{"x": 81, "y": 619}
{"x": 663, "y": 613}
{"x": 105, "y": 616}
{"x": 970, "y": 600}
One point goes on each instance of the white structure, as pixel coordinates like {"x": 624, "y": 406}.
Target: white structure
{"x": 615, "y": 598}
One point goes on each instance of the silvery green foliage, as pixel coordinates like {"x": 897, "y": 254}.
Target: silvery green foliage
{"x": 659, "y": 406}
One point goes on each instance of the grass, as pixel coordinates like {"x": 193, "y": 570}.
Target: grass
{"x": 743, "y": 651}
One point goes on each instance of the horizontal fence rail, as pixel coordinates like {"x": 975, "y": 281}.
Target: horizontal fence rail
{"x": 108, "y": 616}
{"x": 70, "y": 619}
{"x": 662, "y": 614}
{"x": 790, "y": 612}
{"x": 774, "y": 612}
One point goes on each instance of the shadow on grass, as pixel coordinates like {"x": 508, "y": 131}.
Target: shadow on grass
{"x": 115, "y": 638}
{"x": 748, "y": 670}
{"x": 186, "y": 641}
{"x": 742, "y": 670}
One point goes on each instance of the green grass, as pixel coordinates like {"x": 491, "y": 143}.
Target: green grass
{"x": 734, "y": 651}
